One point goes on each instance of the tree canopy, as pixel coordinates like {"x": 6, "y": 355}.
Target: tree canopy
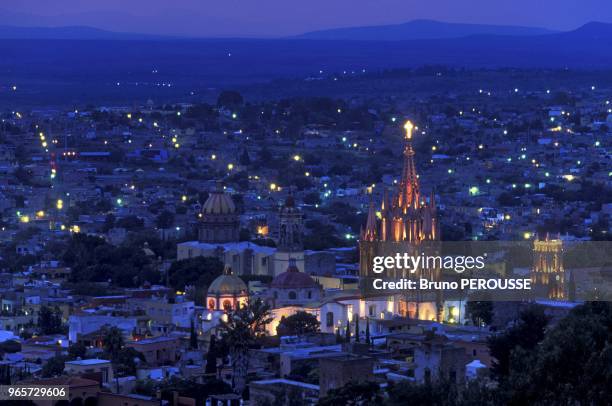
{"x": 198, "y": 271}
{"x": 299, "y": 323}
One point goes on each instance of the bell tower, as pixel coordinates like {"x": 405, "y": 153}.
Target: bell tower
{"x": 290, "y": 244}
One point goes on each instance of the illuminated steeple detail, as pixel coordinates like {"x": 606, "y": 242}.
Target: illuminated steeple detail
{"x": 405, "y": 217}
{"x": 408, "y": 191}
{"x": 370, "y": 233}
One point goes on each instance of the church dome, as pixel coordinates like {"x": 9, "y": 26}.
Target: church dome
{"x": 292, "y": 278}
{"x": 219, "y": 202}
{"x": 227, "y": 284}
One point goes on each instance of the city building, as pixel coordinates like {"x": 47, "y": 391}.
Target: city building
{"x": 290, "y": 245}
{"x": 227, "y": 291}
{"x": 219, "y": 221}
{"x": 548, "y": 273}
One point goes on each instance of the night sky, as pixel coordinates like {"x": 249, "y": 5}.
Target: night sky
{"x": 287, "y": 17}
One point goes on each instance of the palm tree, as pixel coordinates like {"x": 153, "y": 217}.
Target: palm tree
{"x": 239, "y": 330}
{"x": 193, "y": 337}
{"x": 113, "y": 341}
{"x": 347, "y": 332}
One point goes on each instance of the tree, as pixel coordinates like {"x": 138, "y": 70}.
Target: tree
{"x": 357, "y": 329}
{"x": 53, "y": 367}
{"x": 347, "y": 332}
{"x": 193, "y": 338}
{"x": 245, "y": 159}
{"x": 94, "y": 260}
{"x": 480, "y": 312}
{"x": 49, "y": 320}
{"x": 112, "y": 341}
{"x": 185, "y": 387}
{"x": 298, "y": 324}
{"x": 526, "y": 333}
{"x": 109, "y": 222}
{"x": 440, "y": 392}
{"x": 130, "y": 223}
{"x": 571, "y": 365}
{"x": 123, "y": 358}
{"x": 367, "y": 332}
{"x": 198, "y": 271}
{"x": 125, "y": 362}
{"x": 229, "y": 99}
{"x": 211, "y": 356}
{"x": 239, "y": 331}
{"x": 165, "y": 219}
{"x": 353, "y": 393}
{"x": 77, "y": 350}
{"x": 10, "y": 346}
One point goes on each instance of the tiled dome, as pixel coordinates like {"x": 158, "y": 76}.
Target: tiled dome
{"x": 219, "y": 202}
{"x": 227, "y": 284}
{"x": 292, "y": 278}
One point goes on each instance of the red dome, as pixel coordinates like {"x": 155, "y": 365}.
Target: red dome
{"x": 292, "y": 278}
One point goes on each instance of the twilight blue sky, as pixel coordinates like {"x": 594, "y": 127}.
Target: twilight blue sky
{"x": 287, "y": 17}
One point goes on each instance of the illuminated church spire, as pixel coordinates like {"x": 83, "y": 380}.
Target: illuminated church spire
{"x": 404, "y": 217}
{"x": 408, "y": 191}
{"x": 370, "y": 233}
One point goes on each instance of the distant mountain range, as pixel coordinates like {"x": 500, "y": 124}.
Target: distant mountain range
{"x": 52, "y": 62}
{"x": 412, "y": 31}
{"x": 420, "y": 29}
{"x": 73, "y": 32}
{"x": 417, "y": 29}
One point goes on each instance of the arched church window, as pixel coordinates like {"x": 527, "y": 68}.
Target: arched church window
{"x": 329, "y": 319}
{"x": 211, "y": 304}
{"x": 292, "y": 295}
{"x": 227, "y": 305}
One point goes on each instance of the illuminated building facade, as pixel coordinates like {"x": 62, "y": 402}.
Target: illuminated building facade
{"x": 407, "y": 219}
{"x": 548, "y": 274}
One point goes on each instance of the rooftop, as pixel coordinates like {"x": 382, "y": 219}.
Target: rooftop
{"x": 91, "y": 361}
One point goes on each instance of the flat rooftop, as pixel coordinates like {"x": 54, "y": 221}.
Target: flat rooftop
{"x": 91, "y": 361}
